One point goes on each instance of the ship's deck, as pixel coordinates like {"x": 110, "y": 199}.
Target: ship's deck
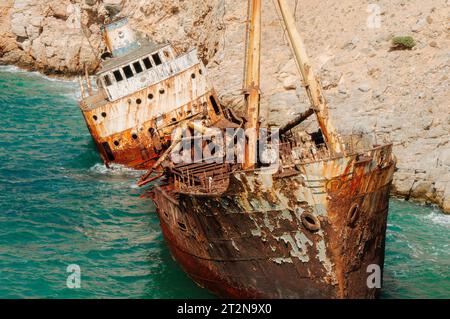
{"x": 94, "y": 101}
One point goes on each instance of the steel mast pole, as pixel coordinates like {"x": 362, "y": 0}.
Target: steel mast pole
{"x": 311, "y": 82}
{"x": 252, "y": 82}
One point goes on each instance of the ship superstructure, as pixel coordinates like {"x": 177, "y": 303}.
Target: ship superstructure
{"x": 143, "y": 91}
{"x": 312, "y": 226}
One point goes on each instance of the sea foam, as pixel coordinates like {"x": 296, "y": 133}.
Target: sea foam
{"x": 115, "y": 170}
{"x": 439, "y": 219}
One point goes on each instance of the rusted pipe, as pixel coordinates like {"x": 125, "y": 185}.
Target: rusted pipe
{"x": 298, "y": 120}
{"x": 148, "y": 181}
{"x": 144, "y": 179}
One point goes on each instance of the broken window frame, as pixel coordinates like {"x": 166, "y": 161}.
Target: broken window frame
{"x": 107, "y": 81}
{"x": 167, "y": 55}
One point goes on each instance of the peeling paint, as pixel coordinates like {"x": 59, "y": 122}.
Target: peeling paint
{"x": 286, "y": 215}
{"x": 298, "y": 245}
{"x": 234, "y": 245}
{"x": 322, "y": 255}
{"x": 266, "y": 225}
{"x": 280, "y": 261}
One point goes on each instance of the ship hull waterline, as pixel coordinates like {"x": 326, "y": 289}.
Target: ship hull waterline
{"x": 316, "y": 234}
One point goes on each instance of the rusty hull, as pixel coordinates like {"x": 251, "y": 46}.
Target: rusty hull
{"x": 308, "y": 232}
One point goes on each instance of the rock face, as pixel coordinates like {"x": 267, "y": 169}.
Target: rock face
{"x": 55, "y": 37}
{"x": 402, "y": 96}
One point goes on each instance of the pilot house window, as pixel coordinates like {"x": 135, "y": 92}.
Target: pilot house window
{"x": 118, "y": 75}
{"x": 107, "y": 80}
{"x": 147, "y": 63}
{"x": 157, "y": 59}
{"x": 128, "y": 72}
{"x": 137, "y": 67}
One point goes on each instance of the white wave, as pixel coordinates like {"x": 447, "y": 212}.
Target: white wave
{"x": 15, "y": 69}
{"x": 438, "y": 218}
{"x": 75, "y": 95}
{"x": 73, "y": 91}
{"x": 115, "y": 170}
{"x": 134, "y": 186}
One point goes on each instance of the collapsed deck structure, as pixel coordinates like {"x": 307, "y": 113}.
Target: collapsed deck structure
{"x": 309, "y": 225}
{"x": 144, "y": 90}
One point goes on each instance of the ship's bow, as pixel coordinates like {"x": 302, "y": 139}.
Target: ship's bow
{"x": 357, "y": 209}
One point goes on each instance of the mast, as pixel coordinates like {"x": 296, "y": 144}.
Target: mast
{"x": 88, "y": 81}
{"x": 312, "y": 84}
{"x": 80, "y": 81}
{"x": 252, "y": 81}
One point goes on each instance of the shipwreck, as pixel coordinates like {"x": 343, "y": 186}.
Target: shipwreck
{"x": 308, "y": 227}
{"x": 142, "y": 91}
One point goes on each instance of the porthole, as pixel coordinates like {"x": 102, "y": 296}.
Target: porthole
{"x": 104, "y": 114}
{"x": 95, "y": 117}
{"x": 134, "y": 136}
{"x": 150, "y": 96}
{"x": 116, "y": 143}
{"x": 182, "y": 226}
{"x": 193, "y": 75}
{"x": 353, "y": 214}
{"x": 310, "y": 221}
{"x": 174, "y": 119}
{"x": 162, "y": 91}
{"x": 200, "y": 71}
{"x": 138, "y": 101}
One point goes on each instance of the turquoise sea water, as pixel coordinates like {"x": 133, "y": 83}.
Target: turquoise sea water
{"x": 59, "y": 206}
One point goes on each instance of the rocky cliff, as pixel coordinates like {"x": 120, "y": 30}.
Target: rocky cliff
{"x": 402, "y": 95}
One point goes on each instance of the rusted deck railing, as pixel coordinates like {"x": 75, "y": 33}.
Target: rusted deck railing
{"x": 202, "y": 178}
{"x": 205, "y": 178}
